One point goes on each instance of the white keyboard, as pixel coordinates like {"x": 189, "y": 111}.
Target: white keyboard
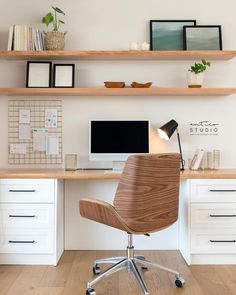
{"x": 112, "y": 172}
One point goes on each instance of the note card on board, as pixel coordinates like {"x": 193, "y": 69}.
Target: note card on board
{"x": 50, "y": 118}
{"x": 39, "y": 140}
{"x": 24, "y": 116}
{"x": 18, "y": 148}
{"x": 52, "y": 145}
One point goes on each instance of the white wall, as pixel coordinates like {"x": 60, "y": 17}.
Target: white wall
{"x": 109, "y": 24}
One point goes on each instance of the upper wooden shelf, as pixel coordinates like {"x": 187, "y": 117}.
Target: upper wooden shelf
{"x": 116, "y": 55}
{"x": 153, "y": 91}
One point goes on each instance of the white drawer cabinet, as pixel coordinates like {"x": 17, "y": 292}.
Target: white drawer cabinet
{"x": 27, "y": 190}
{"x": 27, "y": 241}
{"x": 26, "y": 216}
{"x": 213, "y": 190}
{"x": 213, "y": 241}
{"x": 207, "y": 227}
{"x": 31, "y": 219}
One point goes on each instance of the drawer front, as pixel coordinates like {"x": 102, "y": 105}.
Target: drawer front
{"x": 27, "y": 190}
{"x": 28, "y": 242}
{"x": 26, "y": 216}
{"x": 213, "y": 215}
{"x": 213, "y": 241}
{"x": 213, "y": 190}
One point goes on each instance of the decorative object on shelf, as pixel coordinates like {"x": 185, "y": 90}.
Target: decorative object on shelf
{"x": 54, "y": 40}
{"x": 168, "y": 34}
{"x": 216, "y": 159}
{"x": 141, "y": 85}
{"x": 196, "y": 74}
{"x": 202, "y": 38}
{"x": 145, "y": 46}
{"x": 71, "y": 162}
{"x": 64, "y": 75}
{"x": 38, "y": 74}
{"x": 134, "y": 46}
{"x": 110, "y": 84}
{"x": 166, "y": 131}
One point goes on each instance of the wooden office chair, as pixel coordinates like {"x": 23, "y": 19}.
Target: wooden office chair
{"x": 146, "y": 201}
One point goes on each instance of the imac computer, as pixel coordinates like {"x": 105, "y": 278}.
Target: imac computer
{"x": 114, "y": 141}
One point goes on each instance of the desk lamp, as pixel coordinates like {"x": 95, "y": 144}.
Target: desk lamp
{"x": 166, "y": 131}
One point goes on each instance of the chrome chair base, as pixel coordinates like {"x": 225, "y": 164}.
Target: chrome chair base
{"x": 131, "y": 263}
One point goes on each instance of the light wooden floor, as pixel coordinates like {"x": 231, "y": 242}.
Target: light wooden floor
{"x": 71, "y": 275}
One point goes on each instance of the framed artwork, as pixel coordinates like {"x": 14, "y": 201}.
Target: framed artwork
{"x": 38, "y": 74}
{"x": 168, "y": 34}
{"x": 64, "y": 75}
{"x": 202, "y": 38}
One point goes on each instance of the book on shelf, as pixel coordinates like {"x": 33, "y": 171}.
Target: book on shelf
{"x": 23, "y": 37}
{"x": 197, "y": 160}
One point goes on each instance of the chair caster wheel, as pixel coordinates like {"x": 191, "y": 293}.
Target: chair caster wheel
{"x": 179, "y": 282}
{"x": 90, "y": 292}
{"x": 96, "y": 270}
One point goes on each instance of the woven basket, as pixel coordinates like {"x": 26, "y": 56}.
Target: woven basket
{"x": 54, "y": 40}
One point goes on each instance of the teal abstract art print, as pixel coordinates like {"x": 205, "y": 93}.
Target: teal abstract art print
{"x": 168, "y": 34}
{"x": 203, "y": 38}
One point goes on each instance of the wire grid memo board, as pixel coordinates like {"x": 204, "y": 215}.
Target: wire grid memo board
{"x": 37, "y": 120}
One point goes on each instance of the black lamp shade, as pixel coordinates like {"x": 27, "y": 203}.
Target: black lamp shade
{"x": 169, "y": 128}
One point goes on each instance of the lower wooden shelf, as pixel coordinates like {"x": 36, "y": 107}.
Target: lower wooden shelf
{"x": 153, "y": 91}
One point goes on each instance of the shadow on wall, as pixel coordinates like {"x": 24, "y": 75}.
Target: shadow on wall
{"x": 3, "y": 40}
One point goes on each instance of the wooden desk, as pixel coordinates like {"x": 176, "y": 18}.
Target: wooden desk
{"x": 205, "y": 196}
{"x": 99, "y": 174}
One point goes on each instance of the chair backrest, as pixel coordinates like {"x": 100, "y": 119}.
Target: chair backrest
{"x": 147, "y": 196}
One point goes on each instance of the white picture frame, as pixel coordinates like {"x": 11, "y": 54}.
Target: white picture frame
{"x": 38, "y": 74}
{"x": 63, "y": 75}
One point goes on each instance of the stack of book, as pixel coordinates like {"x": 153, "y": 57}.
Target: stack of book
{"x": 23, "y": 37}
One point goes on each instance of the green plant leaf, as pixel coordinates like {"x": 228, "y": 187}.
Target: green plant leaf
{"x": 58, "y": 10}
{"x": 47, "y": 19}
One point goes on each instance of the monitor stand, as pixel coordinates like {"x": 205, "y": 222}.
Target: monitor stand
{"x": 118, "y": 166}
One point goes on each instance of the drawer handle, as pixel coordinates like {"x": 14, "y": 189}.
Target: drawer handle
{"x": 21, "y": 242}
{"x": 22, "y": 191}
{"x": 23, "y": 216}
{"x": 223, "y": 190}
{"x": 223, "y": 241}
{"x": 222, "y": 215}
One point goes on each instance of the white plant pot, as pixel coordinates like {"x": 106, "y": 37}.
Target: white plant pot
{"x": 195, "y": 80}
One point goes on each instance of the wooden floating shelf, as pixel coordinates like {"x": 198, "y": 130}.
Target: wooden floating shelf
{"x": 153, "y": 91}
{"x": 117, "y": 55}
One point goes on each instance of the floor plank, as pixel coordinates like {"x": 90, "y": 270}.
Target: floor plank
{"x": 74, "y": 270}
{"x": 28, "y": 280}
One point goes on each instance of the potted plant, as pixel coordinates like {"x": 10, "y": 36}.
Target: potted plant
{"x": 55, "y": 39}
{"x": 196, "y": 74}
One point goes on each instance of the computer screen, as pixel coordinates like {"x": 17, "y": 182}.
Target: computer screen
{"x": 116, "y": 140}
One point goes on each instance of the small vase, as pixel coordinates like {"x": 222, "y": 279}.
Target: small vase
{"x": 54, "y": 40}
{"x": 195, "y": 80}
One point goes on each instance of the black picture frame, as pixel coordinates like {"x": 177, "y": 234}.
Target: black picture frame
{"x": 202, "y": 44}
{"x": 34, "y": 74}
{"x": 71, "y": 84}
{"x": 176, "y": 37}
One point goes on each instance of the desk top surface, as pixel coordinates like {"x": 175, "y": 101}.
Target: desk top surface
{"x": 101, "y": 174}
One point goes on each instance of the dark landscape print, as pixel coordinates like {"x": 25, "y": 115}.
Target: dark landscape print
{"x": 168, "y": 35}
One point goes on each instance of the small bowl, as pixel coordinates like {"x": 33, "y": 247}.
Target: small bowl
{"x": 141, "y": 85}
{"x": 110, "y": 84}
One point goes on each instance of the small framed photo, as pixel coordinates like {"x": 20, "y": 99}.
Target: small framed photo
{"x": 202, "y": 38}
{"x": 168, "y": 34}
{"x": 38, "y": 74}
{"x": 64, "y": 75}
